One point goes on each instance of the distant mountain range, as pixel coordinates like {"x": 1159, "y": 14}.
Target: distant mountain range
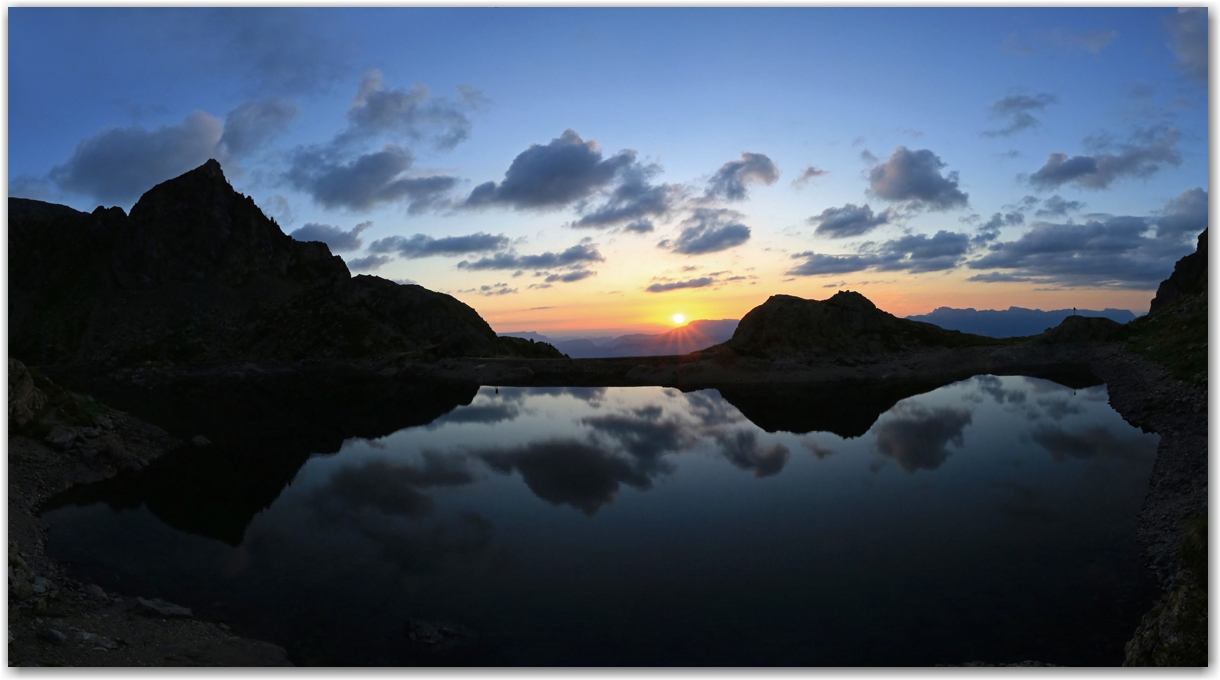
{"x": 692, "y": 337}
{"x": 1011, "y": 322}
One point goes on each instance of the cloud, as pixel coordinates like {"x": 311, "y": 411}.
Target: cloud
{"x": 915, "y": 253}
{"x": 281, "y": 50}
{"x": 990, "y": 230}
{"x": 633, "y": 199}
{"x": 1147, "y": 153}
{"x": 817, "y": 264}
{"x": 421, "y": 245}
{"x": 676, "y": 285}
{"x": 367, "y": 181}
{"x": 338, "y": 240}
{"x": 993, "y": 386}
{"x": 369, "y": 263}
{"x": 554, "y": 175}
{"x": 568, "y": 472}
{"x": 1184, "y": 216}
{"x": 709, "y": 230}
{"x": 1056, "y": 206}
{"x": 913, "y": 178}
{"x": 1096, "y": 441}
{"x": 390, "y": 488}
{"x": 413, "y": 113}
{"x": 1110, "y": 254}
{"x": 849, "y": 221}
{"x": 117, "y": 165}
{"x": 570, "y": 277}
{"x": 917, "y": 437}
{"x": 495, "y": 289}
{"x": 253, "y": 123}
{"x": 576, "y": 256}
{"x": 1188, "y": 41}
{"x": 742, "y": 449}
{"x": 808, "y": 174}
{"x": 1059, "y": 39}
{"x": 643, "y": 434}
{"x": 1018, "y": 109}
{"x": 732, "y": 180}
{"x": 640, "y": 227}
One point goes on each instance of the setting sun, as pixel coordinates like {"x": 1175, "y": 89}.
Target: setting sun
{"x": 679, "y": 319}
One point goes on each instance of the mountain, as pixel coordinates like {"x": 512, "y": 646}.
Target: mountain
{"x": 692, "y": 337}
{"x": 1011, "y": 322}
{"x": 197, "y": 273}
{"x": 848, "y": 324}
{"x": 1174, "y": 332}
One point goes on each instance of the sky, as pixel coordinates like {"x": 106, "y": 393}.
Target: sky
{"x": 599, "y": 170}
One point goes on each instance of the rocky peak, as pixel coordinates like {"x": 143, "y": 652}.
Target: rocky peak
{"x": 1189, "y": 277}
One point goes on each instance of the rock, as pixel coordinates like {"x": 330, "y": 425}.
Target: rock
{"x": 159, "y": 607}
{"x": 103, "y": 422}
{"x": 95, "y": 591}
{"x": 437, "y": 637}
{"x": 200, "y": 440}
{"x": 232, "y": 651}
{"x": 53, "y": 636}
{"x": 24, "y": 400}
{"x": 61, "y": 437}
{"x": 90, "y": 432}
{"x": 96, "y": 641}
{"x": 1189, "y": 276}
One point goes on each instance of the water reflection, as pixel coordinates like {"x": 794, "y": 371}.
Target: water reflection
{"x": 641, "y": 526}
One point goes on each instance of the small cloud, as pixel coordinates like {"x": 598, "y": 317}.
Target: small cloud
{"x": 676, "y": 285}
{"x": 1145, "y": 154}
{"x": 809, "y": 173}
{"x": 1188, "y": 41}
{"x": 709, "y": 230}
{"x": 364, "y": 264}
{"x": 253, "y": 123}
{"x": 413, "y": 113}
{"x": 570, "y": 277}
{"x": 914, "y": 178}
{"x": 576, "y": 256}
{"x": 421, "y": 245}
{"x": 366, "y": 182}
{"x": 732, "y": 180}
{"x": 1056, "y": 206}
{"x": 1018, "y": 110}
{"x": 849, "y": 220}
{"x": 1059, "y": 40}
{"x": 338, "y": 240}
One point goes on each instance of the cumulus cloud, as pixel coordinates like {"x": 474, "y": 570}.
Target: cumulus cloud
{"x": 817, "y": 264}
{"x": 1188, "y": 40}
{"x": 807, "y": 175}
{"x": 640, "y": 227}
{"x": 990, "y": 230}
{"x": 915, "y": 253}
{"x": 731, "y": 182}
{"x": 1059, "y": 39}
{"x": 575, "y": 257}
{"x": 117, "y": 165}
{"x": 1184, "y": 216}
{"x": 917, "y": 437}
{"x": 568, "y": 472}
{"x": 849, "y": 220}
{"x": 700, "y": 282}
{"x": 369, "y": 263}
{"x": 914, "y": 178}
{"x": 253, "y": 123}
{"x": 366, "y": 182}
{"x": 1018, "y": 110}
{"x": 412, "y": 113}
{"x": 570, "y": 277}
{"x": 552, "y": 175}
{"x": 1111, "y": 254}
{"x": 338, "y": 240}
{"x": 709, "y": 230}
{"x": 1147, "y": 153}
{"x": 742, "y": 449}
{"x": 421, "y": 245}
{"x": 1056, "y": 206}
{"x": 634, "y": 199}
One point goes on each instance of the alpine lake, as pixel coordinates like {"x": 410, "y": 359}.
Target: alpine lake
{"x": 991, "y": 519}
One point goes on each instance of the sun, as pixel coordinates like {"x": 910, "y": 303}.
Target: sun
{"x": 678, "y": 319}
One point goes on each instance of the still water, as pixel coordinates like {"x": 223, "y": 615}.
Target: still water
{"x": 990, "y": 519}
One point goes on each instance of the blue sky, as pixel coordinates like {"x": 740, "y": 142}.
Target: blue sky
{"x": 716, "y": 156}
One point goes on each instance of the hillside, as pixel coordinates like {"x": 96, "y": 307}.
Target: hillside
{"x": 1012, "y": 322}
{"x": 1174, "y": 333}
{"x": 197, "y": 273}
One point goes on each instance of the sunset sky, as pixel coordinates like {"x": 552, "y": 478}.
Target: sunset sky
{"x": 587, "y": 171}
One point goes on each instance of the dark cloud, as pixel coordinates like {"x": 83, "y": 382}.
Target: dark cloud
{"x": 808, "y": 174}
{"x": 338, "y": 240}
{"x": 913, "y": 178}
{"x": 997, "y": 277}
{"x": 676, "y": 285}
{"x": 281, "y": 50}
{"x": 253, "y": 123}
{"x": 1059, "y": 39}
{"x": 993, "y": 386}
{"x": 643, "y": 434}
{"x": 495, "y": 289}
{"x": 367, "y": 181}
{"x": 849, "y": 221}
{"x": 1188, "y": 40}
{"x": 1096, "y": 441}
{"x": 568, "y": 472}
{"x": 990, "y": 230}
{"x": 117, "y": 165}
{"x": 1110, "y": 254}
{"x": 817, "y": 264}
{"x": 634, "y": 199}
{"x": 1147, "y": 153}
{"x": 576, "y": 256}
{"x": 709, "y": 230}
{"x": 742, "y": 449}
{"x": 391, "y": 488}
{"x": 919, "y": 253}
{"x": 1184, "y": 216}
{"x": 640, "y": 227}
{"x": 412, "y": 113}
{"x": 566, "y": 170}
{"x": 570, "y": 277}
{"x": 1056, "y": 206}
{"x": 1018, "y": 110}
{"x": 368, "y": 263}
{"x": 421, "y": 245}
{"x": 731, "y": 182}
{"x": 917, "y": 437}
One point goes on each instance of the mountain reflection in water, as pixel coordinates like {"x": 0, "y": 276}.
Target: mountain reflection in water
{"x": 993, "y": 518}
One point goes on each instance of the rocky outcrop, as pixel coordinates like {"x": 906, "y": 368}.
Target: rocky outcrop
{"x": 24, "y": 399}
{"x": 1082, "y": 329}
{"x": 847, "y": 324}
{"x": 1189, "y": 277}
{"x": 196, "y": 273}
